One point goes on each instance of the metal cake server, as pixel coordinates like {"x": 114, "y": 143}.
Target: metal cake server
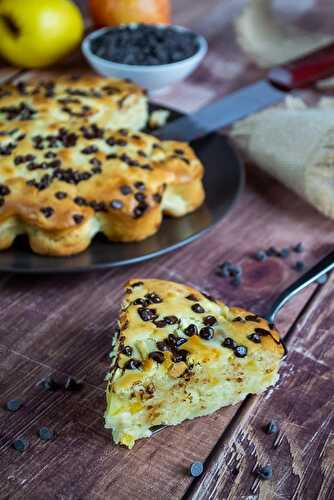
{"x": 320, "y": 270}
{"x": 259, "y": 95}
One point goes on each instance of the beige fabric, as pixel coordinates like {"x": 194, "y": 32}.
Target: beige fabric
{"x": 271, "y": 42}
{"x": 295, "y": 144}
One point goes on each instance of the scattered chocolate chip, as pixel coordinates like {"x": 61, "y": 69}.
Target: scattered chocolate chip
{"x": 237, "y": 319}
{"x": 78, "y": 218}
{"x": 273, "y": 252}
{"x": 261, "y": 331}
{"x": 299, "y": 248}
{"x": 191, "y": 330}
{"x": 206, "y": 333}
{"x": 133, "y": 364}
{"x": 229, "y": 343}
{"x": 299, "y": 266}
{"x": 49, "y": 384}
{"x": 147, "y": 314}
{"x": 271, "y": 427}
{"x": 141, "y": 302}
{"x": 21, "y": 444}
{"x": 13, "y": 405}
{"x": 162, "y": 345}
{"x": 323, "y": 279}
{"x": 265, "y": 472}
{"x": 45, "y": 434}
{"x": 47, "y": 211}
{"x": 4, "y": 190}
{"x": 197, "y": 308}
{"x": 157, "y": 197}
{"x": 72, "y": 385}
{"x": 116, "y": 204}
{"x": 240, "y": 351}
{"x": 285, "y": 252}
{"x": 196, "y": 469}
{"x": 140, "y": 196}
{"x": 260, "y": 256}
{"x": 2, "y": 202}
{"x": 192, "y": 297}
{"x": 127, "y": 350}
{"x": 209, "y": 320}
{"x": 157, "y": 356}
{"x": 137, "y": 283}
{"x": 60, "y": 195}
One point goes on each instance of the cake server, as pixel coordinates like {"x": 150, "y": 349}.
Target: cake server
{"x": 280, "y": 80}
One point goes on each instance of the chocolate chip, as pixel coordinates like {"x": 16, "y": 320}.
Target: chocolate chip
{"x": 262, "y": 331}
{"x": 78, "y": 218}
{"x": 299, "y": 248}
{"x": 60, "y": 195}
{"x": 89, "y": 150}
{"x": 265, "y": 472}
{"x": 192, "y": 297}
{"x": 157, "y": 356}
{"x": 240, "y": 351}
{"x": 171, "y": 320}
{"x": 160, "y": 323}
{"x": 254, "y": 337}
{"x": 162, "y": 345}
{"x": 147, "y": 314}
{"x": 2, "y": 202}
{"x": 127, "y": 350}
{"x": 140, "y": 210}
{"x": 141, "y": 302}
{"x": 260, "y": 256}
{"x": 125, "y": 189}
{"x": 197, "y": 308}
{"x": 45, "y": 434}
{"x": 49, "y": 384}
{"x": 140, "y": 196}
{"x": 229, "y": 343}
{"x": 137, "y": 283}
{"x": 72, "y": 385}
{"x": 253, "y": 317}
{"x": 271, "y": 427}
{"x": 191, "y": 330}
{"x": 206, "y": 333}
{"x": 176, "y": 341}
{"x": 237, "y": 319}
{"x": 285, "y": 252}
{"x": 153, "y": 298}
{"x": 196, "y": 469}
{"x": 116, "y": 204}
{"x": 133, "y": 364}
{"x": 157, "y": 197}
{"x": 139, "y": 185}
{"x": 4, "y": 190}
{"x": 47, "y": 211}
{"x": 209, "y": 320}
{"x": 123, "y": 132}
{"x": 79, "y": 200}
{"x": 21, "y": 444}
{"x": 13, "y": 404}
{"x": 299, "y": 266}
{"x": 180, "y": 355}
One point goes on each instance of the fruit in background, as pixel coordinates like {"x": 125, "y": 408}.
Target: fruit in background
{"x": 37, "y": 33}
{"x": 114, "y": 12}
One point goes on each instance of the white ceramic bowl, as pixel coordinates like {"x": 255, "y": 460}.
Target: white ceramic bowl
{"x": 153, "y": 77}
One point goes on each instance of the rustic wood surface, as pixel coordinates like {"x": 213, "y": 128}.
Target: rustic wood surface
{"x": 62, "y": 325}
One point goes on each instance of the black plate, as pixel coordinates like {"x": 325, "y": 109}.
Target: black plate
{"x": 223, "y": 181}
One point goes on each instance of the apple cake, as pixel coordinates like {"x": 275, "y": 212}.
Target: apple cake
{"x": 180, "y": 354}
{"x": 108, "y": 102}
{"x": 61, "y": 183}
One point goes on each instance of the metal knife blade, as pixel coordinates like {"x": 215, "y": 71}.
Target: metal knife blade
{"x": 221, "y": 113}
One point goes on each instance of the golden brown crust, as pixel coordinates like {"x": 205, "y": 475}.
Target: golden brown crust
{"x": 181, "y": 354}
{"x": 62, "y": 183}
{"x": 111, "y": 103}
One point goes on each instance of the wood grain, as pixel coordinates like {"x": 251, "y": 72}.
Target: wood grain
{"x": 62, "y": 325}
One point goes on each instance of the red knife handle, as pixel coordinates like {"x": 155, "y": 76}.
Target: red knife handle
{"x": 305, "y": 71}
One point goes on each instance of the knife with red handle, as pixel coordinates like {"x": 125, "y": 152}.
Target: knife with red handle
{"x": 293, "y": 75}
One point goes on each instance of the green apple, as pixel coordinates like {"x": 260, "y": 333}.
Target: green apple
{"x": 37, "y": 33}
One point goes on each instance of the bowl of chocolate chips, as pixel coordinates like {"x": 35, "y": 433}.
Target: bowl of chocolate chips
{"x": 153, "y": 56}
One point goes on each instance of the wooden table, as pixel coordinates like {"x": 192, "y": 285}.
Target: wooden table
{"x": 62, "y": 325}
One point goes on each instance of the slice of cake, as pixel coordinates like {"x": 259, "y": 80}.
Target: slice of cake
{"x": 109, "y": 102}
{"x": 180, "y": 354}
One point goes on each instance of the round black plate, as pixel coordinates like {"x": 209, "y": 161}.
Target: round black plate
{"x": 223, "y": 181}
